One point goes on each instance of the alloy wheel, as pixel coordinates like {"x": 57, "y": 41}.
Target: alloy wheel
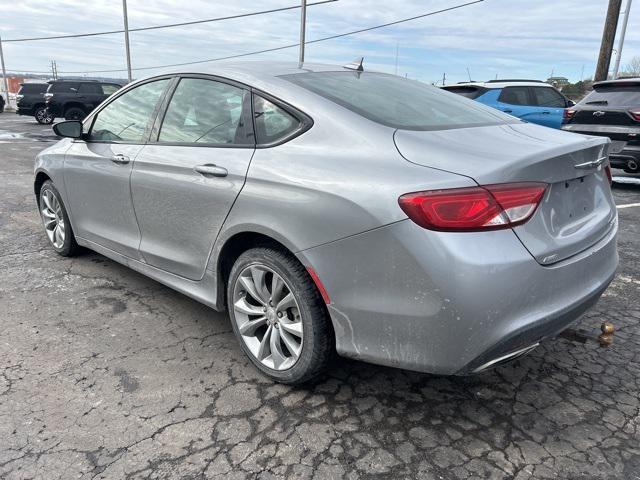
{"x": 53, "y": 219}
{"x": 43, "y": 116}
{"x": 268, "y": 317}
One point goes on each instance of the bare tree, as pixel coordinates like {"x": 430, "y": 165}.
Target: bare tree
{"x": 632, "y": 69}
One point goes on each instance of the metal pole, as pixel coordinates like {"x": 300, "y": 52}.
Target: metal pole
{"x": 608, "y": 36}
{"x": 126, "y": 38}
{"x": 621, "y": 43}
{"x": 4, "y": 75}
{"x": 303, "y": 26}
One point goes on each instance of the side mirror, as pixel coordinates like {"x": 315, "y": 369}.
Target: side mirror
{"x": 70, "y": 128}
{"x": 570, "y": 103}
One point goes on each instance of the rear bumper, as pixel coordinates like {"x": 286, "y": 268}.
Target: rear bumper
{"x": 622, "y": 159}
{"x": 24, "y": 111}
{"x": 448, "y": 303}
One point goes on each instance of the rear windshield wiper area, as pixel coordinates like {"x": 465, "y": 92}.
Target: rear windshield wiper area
{"x": 597, "y": 102}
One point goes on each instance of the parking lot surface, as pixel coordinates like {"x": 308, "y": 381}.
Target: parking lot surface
{"x": 107, "y": 374}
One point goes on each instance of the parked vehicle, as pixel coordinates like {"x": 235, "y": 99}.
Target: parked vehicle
{"x": 74, "y": 99}
{"x": 611, "y": 110}
{"x": 30, "y": 101}
{"x": 1, "y": 104}
{"x": 331, "y": 209}
{"x": 530, "y": 100}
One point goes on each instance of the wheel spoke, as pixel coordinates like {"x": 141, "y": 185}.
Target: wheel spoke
{"x": 294, "y": 328}
{"x": 287, "y": 302}
{"x": 290, "y": 343}
{"x": 47, "y": 201}
{"x": 277, "y": 285}
{"x": 48, "y": 213}
{"x": 50, "y": 223}
{"x": 250, "y": 327}
{"x": 245, "y": 307}
{"x": 265, "y": 344}
{"x": 258, "y": 276}
{"x": 250, "y": 288}
{"x": 58, "y": 240}
{"x": 277, "y": 355}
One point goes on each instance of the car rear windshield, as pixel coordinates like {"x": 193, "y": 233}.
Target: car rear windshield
{"x": 398, "y": 102}
{"x": 469, "y": 92}
{"x": 33, "y": 88}
{"x": 615, "y": 96}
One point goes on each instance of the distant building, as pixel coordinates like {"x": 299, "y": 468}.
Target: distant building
{"x": 558, "y": 82}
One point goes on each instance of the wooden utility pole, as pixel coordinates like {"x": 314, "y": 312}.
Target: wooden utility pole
{"x": 608, "y": 36}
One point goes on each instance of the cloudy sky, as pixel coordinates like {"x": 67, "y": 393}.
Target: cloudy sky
{"x": 507, "y": 38}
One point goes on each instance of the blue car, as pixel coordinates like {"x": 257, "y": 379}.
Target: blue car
{"x": 530, "y": 100}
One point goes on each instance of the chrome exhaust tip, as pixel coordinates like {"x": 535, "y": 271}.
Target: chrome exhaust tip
{"x": 632, "y": 165}
{"x": 506, "y": 358}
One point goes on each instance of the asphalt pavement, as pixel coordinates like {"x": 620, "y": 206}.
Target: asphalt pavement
{"x": 105, "y": 373}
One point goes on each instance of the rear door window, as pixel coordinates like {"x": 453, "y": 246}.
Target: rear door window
{"x": 548, "y": 97}
{"x": 63, "y": 87}
{"x": 89, "y": 88}
{"x": 109, "y": 88}
{"x": 33, "y": 88}
{"x": 515, "y": 96}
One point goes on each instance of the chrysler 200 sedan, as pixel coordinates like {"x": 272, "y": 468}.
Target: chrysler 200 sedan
{"x": 338, "y": 210}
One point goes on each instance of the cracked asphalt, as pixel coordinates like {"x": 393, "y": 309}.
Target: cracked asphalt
{"x": 107, "y": 374}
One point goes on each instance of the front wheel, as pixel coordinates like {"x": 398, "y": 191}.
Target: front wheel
{"x": 43, "y": 117}
{"x": 279, "y": 317}
{"x": 56, "y": 221}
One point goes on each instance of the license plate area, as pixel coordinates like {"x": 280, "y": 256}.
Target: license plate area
{"x": 572, "y": 200}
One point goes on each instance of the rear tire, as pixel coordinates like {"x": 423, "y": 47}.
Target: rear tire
{"x": 56, "y": 221}
{"x": 43, "y": 117}
{"x": 74, "y": 113}
{"x": 303, "y": 325}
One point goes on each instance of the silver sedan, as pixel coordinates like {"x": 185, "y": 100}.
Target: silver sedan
{"x": 331, "y": 209}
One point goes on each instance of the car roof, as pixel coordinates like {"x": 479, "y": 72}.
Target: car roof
{"x": 502, "y": 84}
{"x": 620, "y": 82}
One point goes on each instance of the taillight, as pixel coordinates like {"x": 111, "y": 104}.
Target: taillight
{"x": 635, "y": 114}
{"x": 490, "y": 207}
{"x": 568, "y": 114}
{"x": 607, "y": 170}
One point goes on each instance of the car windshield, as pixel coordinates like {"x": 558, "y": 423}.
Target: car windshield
{"x": 616, "y": 96}
{"x": 398, "y": 102}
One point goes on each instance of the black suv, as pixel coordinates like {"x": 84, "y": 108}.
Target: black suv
{"x": 74, "y": 99}
{"x": 611, "y": 110}
{"x": 30, "y": 100}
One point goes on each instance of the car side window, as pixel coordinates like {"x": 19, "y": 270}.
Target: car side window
{"x": 272, "y": 122}
{"x": 88, "y": 88}
{"x": 109, "y": 88}
{"x": 515, "y": 96}
{"x": 548, "y": 97}
{"x": 126, "y": 118}
{"x": 205, "y": 111}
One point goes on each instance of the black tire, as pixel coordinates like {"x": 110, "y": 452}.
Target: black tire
{"x": 74, "y": 113}
{"x": 318, "y": 344}
{"x": 42, "y": 117}
{"x": 69, "y": 247}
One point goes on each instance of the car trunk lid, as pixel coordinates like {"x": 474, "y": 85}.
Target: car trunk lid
{"x": 577, "y": 209}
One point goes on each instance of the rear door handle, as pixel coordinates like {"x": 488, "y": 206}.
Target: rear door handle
{"x": 507, "y": 110}
{"x": 212, "y": 170}
{"x": 121, "y": 159}
{"x": 546, "y": 113}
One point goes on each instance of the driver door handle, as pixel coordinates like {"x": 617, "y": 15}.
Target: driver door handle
{"x": 507, "y": 110}
{"x": 121, "y": 159}
{"x": 210, "y": 169}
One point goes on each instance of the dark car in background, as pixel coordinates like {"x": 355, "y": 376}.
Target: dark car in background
{"x": 30, "y": 101}
{"x": 74, "y": 99}
{"x": 611, "y": 110}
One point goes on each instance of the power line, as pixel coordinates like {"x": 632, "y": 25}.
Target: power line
{"x": 283, "y": 47}
{"x": 171, "y": 25}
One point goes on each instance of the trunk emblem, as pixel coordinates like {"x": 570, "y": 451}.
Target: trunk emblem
{"x": 599, "y": 113}
{"x": 592, "y": 164}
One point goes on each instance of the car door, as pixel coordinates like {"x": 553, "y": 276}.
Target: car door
{"x": 515, "y": 101}
{"x": 548, "y": 106}
{"x": 185, "y": 181}
{"x": 97, "y": 168}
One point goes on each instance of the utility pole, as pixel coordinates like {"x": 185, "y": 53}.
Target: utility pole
{"x": 444, "y": 78}
{"x": 303, "y": 27}
{"x": 621, "y": 43}
{"x": 4, "y": 74}
{"x": 608, "y": 37}
{"x": 126, "y": 38}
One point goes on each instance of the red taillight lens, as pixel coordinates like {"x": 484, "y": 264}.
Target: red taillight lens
{"x": 607, "y": 170}
{"x": 635, "y": 114}
{"x": 490, "y": 207}
{"x": 568, "y": 114}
